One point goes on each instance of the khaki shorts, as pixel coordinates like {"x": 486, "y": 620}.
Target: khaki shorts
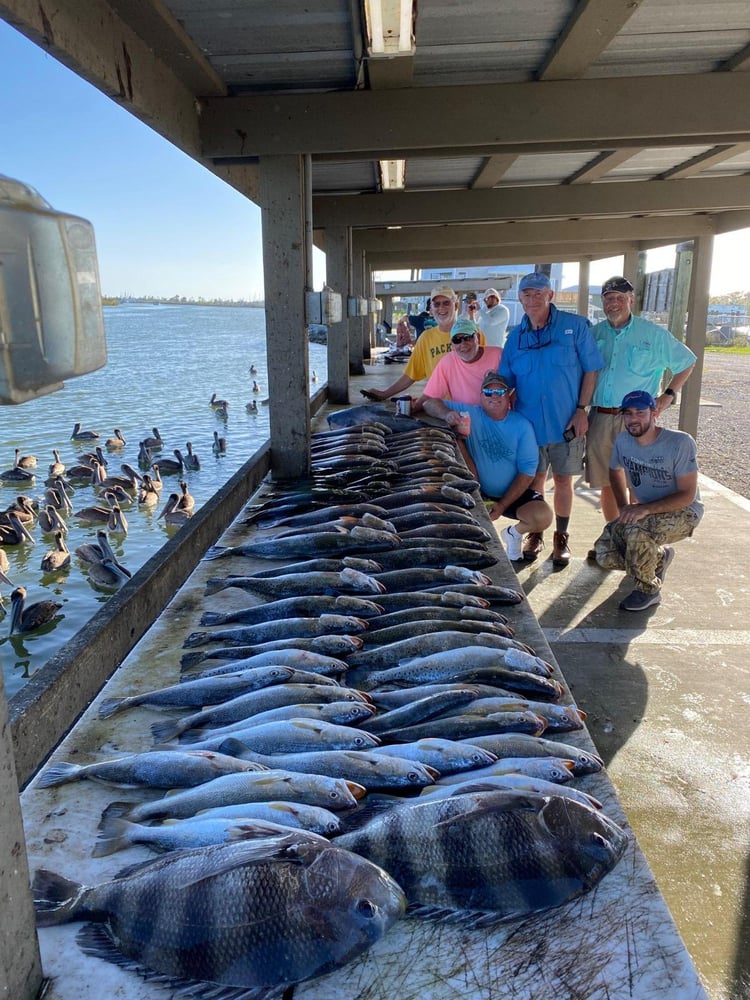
{"x": 565, "y": 458}
{"x": 603, "y": 429}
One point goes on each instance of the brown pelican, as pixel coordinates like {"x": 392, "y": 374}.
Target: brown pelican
{"x": 50, "y": 520}
{"x": 117, "y": 521}
{"x": 17, "y": 475}
{"x": 13, "y": 531}
{"x": 81, "y": 472}
{"x": 55, "y": 496}
{"x": 108, "y": 573}
{"x": 253, "y": 370}
{"x": 97, "y": 455}
{"x": 156, "y": 481}
{"x": 222, "y": 412}
{"x": 25, "y": 461}
{"x": 148, "y": 495}
{"x": 23, "y": 508}
{"x": 186, "y": 500}
{"x": 155, "y": 441}
{"x": 172, "y": 513}
{"x": 256, "y": 387}
{"x": 314, "y": 376}
{"x": 79, "y": 435}
{"x": 92, "y": 552}
{"x": 96, "y": 514}
{"x": 168, "y": 466}
{"x": 4, "y": 567}
{"x": 191, "y": 460}
{"x": 220, "y": 444}
{"x": 130, "y": 481}
{"x": 252, "y": 406}
{"x": 118, "y": 441}
{"x": 145, "y": 457}
{"x": 216, "y": 403}
{"x": 56, "y": 468}
{"x": 57, "y": 558}
{"x": 26, "y": 619}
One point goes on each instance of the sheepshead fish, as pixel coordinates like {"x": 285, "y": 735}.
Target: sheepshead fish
{"x": 491, "y": 856}
{"x": 256, "y": 914}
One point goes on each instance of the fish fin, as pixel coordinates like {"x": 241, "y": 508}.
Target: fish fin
{"x": 475, "y": 919}
{"x": 218, "y": 552}
{"x": 110, "y": 706}
{"x": 235, "y": 748}
{"x": 116, "y": 810}
{"x": 197, "y": 639}
{"x": 212, "y": 618}
{"x": 55, "y": 898}
{"x": 215, "y": 584}
{"x": 59, "y": 774}
{"x": 163, "y": 732}
{"x": 113, "y": 836}
{"x": 190, "y": 660}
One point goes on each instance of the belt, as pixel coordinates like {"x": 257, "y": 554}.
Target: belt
{"x": 607, "y": 409}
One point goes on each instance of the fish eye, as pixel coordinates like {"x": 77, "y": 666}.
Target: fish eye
{"x": 366, "y": 908}
{"x": 333, "y": 794}
{"x": 413, "y": 776}
{"x": 360, "y": 741}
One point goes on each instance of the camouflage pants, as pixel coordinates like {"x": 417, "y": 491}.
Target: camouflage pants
{"x": 638, "y": 548}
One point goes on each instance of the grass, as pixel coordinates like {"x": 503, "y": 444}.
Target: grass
{"x": 727, "y": 350}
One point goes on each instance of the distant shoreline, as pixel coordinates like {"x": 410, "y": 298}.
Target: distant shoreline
{"x": 108, "y": 300}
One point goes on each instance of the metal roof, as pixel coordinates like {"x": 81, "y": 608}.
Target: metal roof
{"x": 518, "y": 113}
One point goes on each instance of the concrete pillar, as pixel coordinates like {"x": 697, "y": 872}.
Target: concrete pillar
{"x": 584, "y": 267}
{"x": 337, "y": 276}
{"x": 20, "y": 963}
{"x": 697, "y": 308}
{"x": 357, "y": 324}
{"x": 287, "y": 247}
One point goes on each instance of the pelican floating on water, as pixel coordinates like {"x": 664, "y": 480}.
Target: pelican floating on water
{"x": 222, "y": 412}
{"x": 253, "y": 370}
{"x": 23, "y": 508}
{"x": 79, "y": 435}
{"x": 118, "y": 441}
{"x": 186, "y": 500}
{"x": 108, "y": 573}
{"x": 25, "y": 461}
{"x": 169, "y": 467}
{"x": 97, "y": 455}
{"x": 153, "y": 442}
{"x": 17, "y": 475}
{"x": 57, "y": 558}
{"x": 148, "y": 495}
{"x": 97, "y": 514}
{"x": 256, "y": 388}
{"x": 220, "y": 444}
{"x": 216, "y": 403}
{"x": 56, "y": 468}
{"x": 172, "y": 513}
{"x": 130, "y": 481}
{"x": 117, "y": 521}
{"x": 314, "y": 376}
{"x": 156, "y": 481}
{"x": 25, "y": 618}
{"x": 13, "y": 531}
{"x": 50, "y": 520}
{"x": 4, "y": 567}
{"x": 252, "y": 406}
{"x": 191, "y": 460}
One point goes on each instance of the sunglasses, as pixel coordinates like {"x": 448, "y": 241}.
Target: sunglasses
{"x": 494, "y": 392}
{"x": 461, "y": 338}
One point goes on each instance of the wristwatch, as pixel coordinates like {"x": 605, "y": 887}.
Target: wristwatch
{"x": 672, "y": 393}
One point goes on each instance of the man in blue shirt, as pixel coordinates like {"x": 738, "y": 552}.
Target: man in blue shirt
{"x": 502, "y": 452}
{"x": 636, "y": 355}
{"x": 551, "y": 359}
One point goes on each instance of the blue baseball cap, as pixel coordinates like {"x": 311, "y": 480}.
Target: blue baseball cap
{"x": 639, "y": 399}
{"x": 537, "y": 279}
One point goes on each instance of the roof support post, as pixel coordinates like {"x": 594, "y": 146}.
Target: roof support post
{"x": 287, "y": 247}
{"x": 584, "y": 268}
{"x": 337, "y": 277}
{"x": 634, "y": 269}
{"x": 695, "y": 337}
{"x": 20, "y": 963}
{"x": 358, "y": 333}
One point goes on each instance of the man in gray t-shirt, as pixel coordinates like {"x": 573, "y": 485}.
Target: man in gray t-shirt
{"x": 660, "y": 469}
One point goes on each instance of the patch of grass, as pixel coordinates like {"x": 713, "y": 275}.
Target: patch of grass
{"x": 727, "y": 350}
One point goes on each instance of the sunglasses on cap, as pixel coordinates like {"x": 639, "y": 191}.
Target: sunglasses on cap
{"x": 495, "y": 392}
{"x": 461, "y": 338}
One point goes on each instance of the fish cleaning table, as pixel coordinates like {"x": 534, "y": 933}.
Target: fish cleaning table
{"x": 616, "y": 942}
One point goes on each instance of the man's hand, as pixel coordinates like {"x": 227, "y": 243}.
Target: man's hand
{"x": 632, "y": 513}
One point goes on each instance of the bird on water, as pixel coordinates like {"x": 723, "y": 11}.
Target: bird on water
{"x": 27, "y": 618}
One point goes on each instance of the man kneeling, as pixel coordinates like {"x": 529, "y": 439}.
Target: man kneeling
{"x": 660, "y": 468}
{"x": 502, "y": 452}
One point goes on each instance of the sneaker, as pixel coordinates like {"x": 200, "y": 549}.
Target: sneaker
{"x": 665, "y": 561}
{"x": 533, "y": 545}
{"x": 639, "y": 600}
{"x": 512, "y": 541}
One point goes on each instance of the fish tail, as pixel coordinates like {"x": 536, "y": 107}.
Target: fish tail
{"x": 197, "y": 639}
{"x": 218, "y": 552}
{"x": 111, "y": 706}
{"x": 59, "y": 774}
{"x": 114, "y": 836}
{"x": 215, "y": 584}
{"x": 115, "y": 810}
{"x": 163, "y": 732}
{"x": 212, "y": 618}
{"x": 56, "y": 898}
{"x": 190, "y": 660}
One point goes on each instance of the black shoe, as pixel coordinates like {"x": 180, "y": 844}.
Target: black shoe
{"x": 639, "y": 600}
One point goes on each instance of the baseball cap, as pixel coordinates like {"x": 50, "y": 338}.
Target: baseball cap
{"x": 491, "y": 291}
{"x": 464, "y": 326}
{"x": 616, "y": 284}
{"x": 494, "y": 378}
{"x": 639, "y": 399}
{"x": 536, "y": 279}
{"x": 445, "y": 290}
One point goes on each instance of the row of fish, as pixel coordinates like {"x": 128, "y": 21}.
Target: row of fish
{"x": 353, "y": 734}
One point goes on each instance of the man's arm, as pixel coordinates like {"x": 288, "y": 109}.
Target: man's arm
{"x": 579, "y": 420}
{"x": 677, "y": 381}
{"x": 437, "y": 408}
{"x": 398, "y": 386}
{"x": 687, "y": 487}
{"x": 619, "y": 485}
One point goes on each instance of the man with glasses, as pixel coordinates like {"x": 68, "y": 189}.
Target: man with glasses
{"x": 502, "y": 452}
{"x": 493, "y": 322}
{"x": 551, "y": 359}
{"x": 636, "y": 355}
{"x": 459, "y": 374}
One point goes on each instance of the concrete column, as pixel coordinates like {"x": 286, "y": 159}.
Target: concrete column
{"x": 287, "y": 247}
{"x": 20, "y": 963}
{"x": 695, "y": 337}
{"x": 337, "y": 276}
{"x": 357, "y": 324}
{"x": 584, "y": 267}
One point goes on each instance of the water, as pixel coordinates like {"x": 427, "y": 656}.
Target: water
{"x": 164, "y": 362}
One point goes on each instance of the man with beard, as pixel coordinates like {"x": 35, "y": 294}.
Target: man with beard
{"x": 660, "y": 468}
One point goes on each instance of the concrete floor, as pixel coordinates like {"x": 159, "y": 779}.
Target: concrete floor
{"x": 666, "y": 693}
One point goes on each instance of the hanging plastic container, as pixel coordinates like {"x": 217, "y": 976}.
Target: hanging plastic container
{"x": 51, "y": 324}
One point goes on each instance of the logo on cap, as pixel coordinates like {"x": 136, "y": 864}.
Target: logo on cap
{"x": 616, "y": 284}
{"x": 638, "y": 400}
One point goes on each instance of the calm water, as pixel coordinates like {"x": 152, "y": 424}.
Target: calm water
{"x": 164, "y": 362}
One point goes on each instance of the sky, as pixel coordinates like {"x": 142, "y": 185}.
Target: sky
{"x": 164, "y": 224}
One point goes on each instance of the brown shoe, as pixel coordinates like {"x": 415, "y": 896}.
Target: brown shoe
{"x": 533, "y": 545}
{"x": 560, "y": 550}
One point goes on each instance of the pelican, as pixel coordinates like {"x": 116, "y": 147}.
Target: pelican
{"x": 253, "y": 370}
{"x": 220, "y": 444}
{"x": 17, "y": 475}
{"x": 155, "y": 441}
{"x": 50, "y": 521}
{"x": 97, "y": 455}
{"x": 13, "y": 531}
{"x": 79, "y": 435}
{"x": 216, "y": 403}
{"x": 93, "y": 552}
{"x": 57, "y": 558}
{"x": 97, "y": 514}
{"x": 26, "y": 619}
{"x": 222, "y": 412}
{"x": 314, "y": 376}
{"x": 148, "y": 495}
{"x": 191, "y": 460}
{"x": 23, "y": 508}
{"x": 172, "y": 514}
{"x": 130, "y": 481}
{"x": 171, "y": 467}
{"x": 108, "y": 573}
{"x": 117, "y": 521}
{"x": 252, "y": 406}
{"x": 156, "y": 481}
{"x": 121, "y": 495}
{"x": 4, "y": 567}
{"x": 25, "y": 461}
{"x": 56, "y": 468}
{"x": 186, "y": 501}
{"x": 144, "y": 456}
{"x": 118, "y": 441}
{"x": 256, "y": 387}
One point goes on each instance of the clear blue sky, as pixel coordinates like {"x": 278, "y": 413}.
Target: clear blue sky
{"x": 164, "y": 225}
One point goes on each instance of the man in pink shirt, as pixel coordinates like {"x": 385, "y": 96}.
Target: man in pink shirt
{"x": 458, "y": 375}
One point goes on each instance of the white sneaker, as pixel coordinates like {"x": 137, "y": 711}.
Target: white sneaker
{"x": 513, "y": 543}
